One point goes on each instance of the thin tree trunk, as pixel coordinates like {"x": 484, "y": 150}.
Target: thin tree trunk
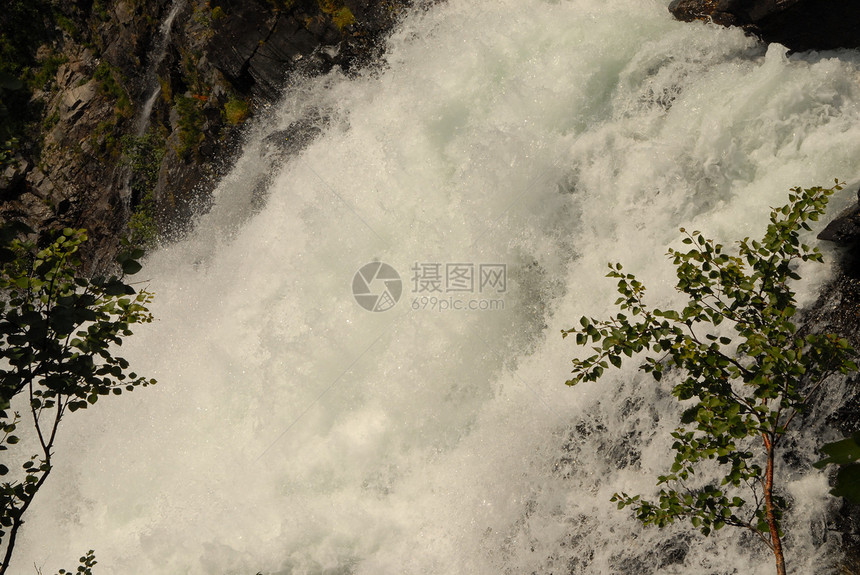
{"x": 10, "y": 546}
{"x": 18, "y": 522}
{"x": 776, "y": 542}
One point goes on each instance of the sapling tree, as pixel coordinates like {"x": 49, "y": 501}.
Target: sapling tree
{"x": 58, "y": 333}
{"x": 743, "y": 373}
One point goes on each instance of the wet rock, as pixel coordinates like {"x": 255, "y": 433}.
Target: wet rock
{"x": 713, "y": 10}
{"x": 797, "y": 24}
{"x": 671, "y": 552}
{"x": 255, "y": 47}
{"x": 295, "y": 137}
{"x": 238, "y": 38}
{"x": 280, "y": 145}
{"x": 837, "y": 311}
{"x": 845, "y": 228}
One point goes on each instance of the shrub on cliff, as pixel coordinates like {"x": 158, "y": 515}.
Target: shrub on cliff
{"x": 744, "y": 386}
{"x": 58, "y": 332}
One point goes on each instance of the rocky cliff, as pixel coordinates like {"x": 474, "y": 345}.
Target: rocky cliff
{"x": 121, "y": 113}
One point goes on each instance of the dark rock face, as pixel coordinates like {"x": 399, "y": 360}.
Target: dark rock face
{"x": 104, "y": 67}
{"x": 68, "y": 169}
{"x": 837, "y": 311}
{"x": 845, "y": 228}
{"x": 797, "y": 24}
{"x": 714, "y": 10}
{"x": 242, "y": 51}
{"x": 254, "y": 47}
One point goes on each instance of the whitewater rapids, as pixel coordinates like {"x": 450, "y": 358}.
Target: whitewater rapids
{"x": 294, "y": 432}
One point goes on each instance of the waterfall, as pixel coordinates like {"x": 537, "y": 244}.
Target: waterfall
{"x": 152, "y": 88}
{"x": 505, "y": 153}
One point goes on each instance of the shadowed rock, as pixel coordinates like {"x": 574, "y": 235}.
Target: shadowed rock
{"x": 845, "y": 228}
{"x": 295, "y": 137}
{"x": 797, "y": 24}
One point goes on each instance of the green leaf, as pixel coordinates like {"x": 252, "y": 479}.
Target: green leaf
{"x": 841, "y": 452}
{"x": 848, "y": 483}
{"x": 131, "y": 267}
{"x": 116, "y": 287}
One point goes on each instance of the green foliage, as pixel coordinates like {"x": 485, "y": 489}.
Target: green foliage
{"x": 100, "y": 10}
{"x": 166, "y": 91}
{"x": 46, "y": 73}
{"x": 846, "y": 454}
{"x": 50, "y": 121}
{"x": 103, "y": 137}
{"x": 65, "y": 24}
{"x": 110, "y": 85}
{"x": 144, "y": 155}
{"x": 85, "y": 568}
{"x": 191, "y": 75}
{"x": 741, "y": 392}
{"x": 202, "y": 16}
{"x": 7, "y": 153}
{"x": 343, "y": 17}
{"x": 190, "y": 125}
{"x": 236, "y": 111}
{"x": 25, "y": 25}
{"x": 340, "y": 14}
{"x": 9, "y": 82}
{"x": 143, "y": 225}
{"x": 58, "y": 331}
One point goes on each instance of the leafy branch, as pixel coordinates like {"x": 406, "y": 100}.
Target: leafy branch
{"x": 58, "y": 332}
{"x": 742, "y": 392}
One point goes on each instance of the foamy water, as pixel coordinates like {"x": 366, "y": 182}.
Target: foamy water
{"x": 294, "y": 432}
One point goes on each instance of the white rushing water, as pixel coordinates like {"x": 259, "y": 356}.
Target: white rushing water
{"x": 151, "y": 83}
{"x": 293, "y": 432}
